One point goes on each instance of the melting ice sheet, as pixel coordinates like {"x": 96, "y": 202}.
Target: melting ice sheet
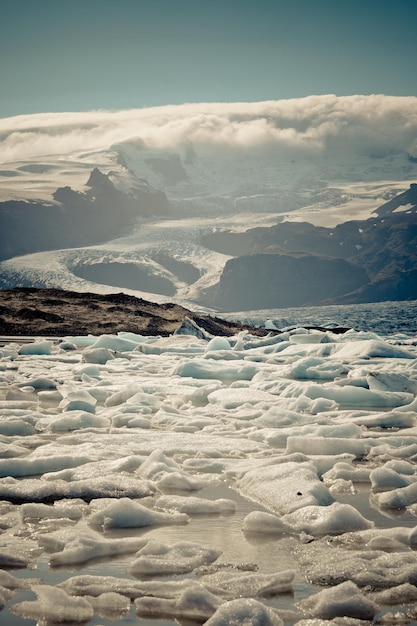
{"x": 213, "y": 480}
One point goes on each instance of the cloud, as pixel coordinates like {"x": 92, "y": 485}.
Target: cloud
{"x": 377, "y": 125}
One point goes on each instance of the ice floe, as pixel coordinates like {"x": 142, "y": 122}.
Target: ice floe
{"x": 180, "y": 467}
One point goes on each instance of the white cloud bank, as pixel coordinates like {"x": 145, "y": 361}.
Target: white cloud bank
{"x": 379, "y": 125}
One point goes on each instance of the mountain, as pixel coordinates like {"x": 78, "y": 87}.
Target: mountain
{"x": 366, "y": 261}
{"x": 267, "y": 281}
{"x": 76, "y": 218}
{"x": 280, "y": 203}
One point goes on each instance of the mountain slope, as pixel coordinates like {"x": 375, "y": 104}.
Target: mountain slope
{"x": 75, "y": 218}
{"x": 156, "y": 202}
{"x": 283, "y": 265}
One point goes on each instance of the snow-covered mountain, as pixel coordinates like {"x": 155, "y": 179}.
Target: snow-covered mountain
{"x": 137, "y": 201}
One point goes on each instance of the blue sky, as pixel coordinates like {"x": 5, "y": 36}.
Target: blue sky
{"x": 57, "y": 55}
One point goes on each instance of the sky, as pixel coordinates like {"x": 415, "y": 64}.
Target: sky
{"x": 57, "y": 55}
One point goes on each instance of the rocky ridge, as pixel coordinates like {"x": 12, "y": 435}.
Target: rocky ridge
{"x": 54, "y": 312}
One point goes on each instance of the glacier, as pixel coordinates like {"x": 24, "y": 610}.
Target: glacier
{"x": 216, "y": 169}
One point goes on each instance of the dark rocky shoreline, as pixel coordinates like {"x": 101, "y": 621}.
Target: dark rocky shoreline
{"x": 54, "y": 312}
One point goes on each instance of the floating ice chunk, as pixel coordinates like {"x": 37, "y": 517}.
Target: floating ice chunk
{"x": 385, "y": 479}
{"x": 87, "y": 585}
{"x": 196, "y": 506}
{"x": 135, "y": 337}
{"x": 381, "y": 538}
{"x": 161, "y": 559}
{"x": 309, "y": 337}
{"x": 47, "y": 398}
{"x": 199, "y": 396}
{"x": 40, "y": 383}
{"x": 167, "y": 474}
{"x": 5, "y": 594}
{"x": 9, "y": 352}
{"x": 268, "y": 343}
{"x": 92, "y": 371}
{"x": 248, "y": 584}
{"x": 206, "y": 371}
{"x": 66, "y": 345}
{"x": 327, "y": 564}
{"x": 233, "y": 398}
{"x": 260, "y": 522}
{"x": 396, "y": 451}
{"x": 391, "y": 381}
{"x": 403, "y": 594}
{"x": 402, "y": 467}
{"x": 269, "y": 325}
{"x": 341, "y": 486}
{"x": 285, "y": 487}
{"x": 195, "y": 603}
{"x": 16, "y": 427}
{"x": 371, "y": 348}
{"x": 125, "y": 513}
{"x": 325, "y": 462}
{"x": 345, "y": 431}
{"x": 327, "y": 445}
{"x": 78, "y": 400}
{"x": 345, "y": 471}
{"x": 398, "y": 498}
{"x": 334, "y": 519}
{"x": 189, "y": 327}
{"x": 74, "y": 548}
{"x": 349, "y": 396}
{"x": 41, "y": 347}
{"x": 98, "y": 469}
{"x": 157, "y": 465}
{"x": 39, "y": 465}
{"x": 110, "y": 486}
{"x": 409, "y": 407}
{"x": 12, "y": 561}
{"x": 223, "y": 355}
{"x": 178, "y": 481}
{"x": 392, "y": 419}
{"x": 206, "y": 466}
{"x": 245, "y": 611}
{"x": 344, "y": 600}
{"x": 77, "y": 419}
{"x": 121, "y": 396}
{"x": 313, "y": 368}
{"x": 109, "y": 605}
{"x": 98, "y": 356}
{"x": 218, "y": 343}
{"x": 33, "y": 511}
{"x": 54, "y": 605}
{"x": 115, "y": 343}
{"x": 313, "y": 520}
{"x": 81, "y": 340}
{"x": 145, "y": 399}
{"x": 18, "y": 405}
{"x": 130, "y": 421}
{"x": 8, "y": 581}
{"x": 10, "y": 451}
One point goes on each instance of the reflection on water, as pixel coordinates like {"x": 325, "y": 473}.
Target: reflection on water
{"x": 263, "y": 553}
{"x": 255, "y": 552}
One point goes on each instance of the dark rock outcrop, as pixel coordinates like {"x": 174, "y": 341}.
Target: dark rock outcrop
{"x": 263, "y": 281}
{"x": 57, "y": 313}
{"x": 380, "y": 254}
{"x": 75, "y": 219}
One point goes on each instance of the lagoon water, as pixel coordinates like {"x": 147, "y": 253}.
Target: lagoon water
{"x": 313, "y": 432}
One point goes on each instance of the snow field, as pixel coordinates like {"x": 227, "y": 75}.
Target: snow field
{"x": 109, "y": 449}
